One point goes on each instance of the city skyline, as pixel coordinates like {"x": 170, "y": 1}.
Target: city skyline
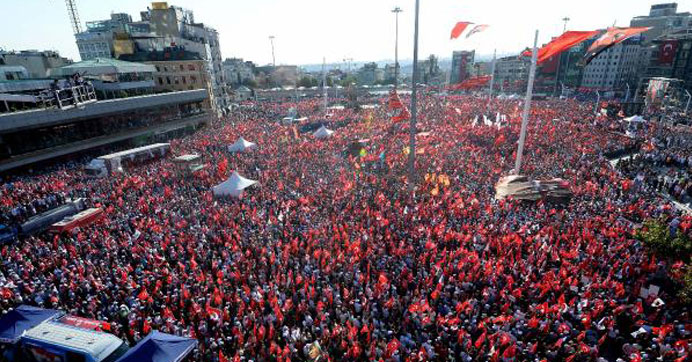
{"x": 362, "y": 31}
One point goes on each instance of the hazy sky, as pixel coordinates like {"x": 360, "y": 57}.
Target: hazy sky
{"x": 307, "y": 30}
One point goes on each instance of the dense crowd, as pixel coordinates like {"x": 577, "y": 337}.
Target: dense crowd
{"x": 332, "y": 256}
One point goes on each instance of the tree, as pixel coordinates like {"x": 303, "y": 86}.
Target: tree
{"x": 670, "y": 242}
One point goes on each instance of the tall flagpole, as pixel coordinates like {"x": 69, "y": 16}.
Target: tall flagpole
{"x": 396, "y": 12}
{"x": 414, "y": 109}
{"x": 492, "y": 74}
{"x": 527, "y": 105}
{"x": 324, "y": 84}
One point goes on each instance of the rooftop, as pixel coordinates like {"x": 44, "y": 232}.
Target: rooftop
{"x": 100, "y": 66}
{"x": 96, "y": 344}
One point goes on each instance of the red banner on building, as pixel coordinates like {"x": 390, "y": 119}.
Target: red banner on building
{"x": 667, "y": 52}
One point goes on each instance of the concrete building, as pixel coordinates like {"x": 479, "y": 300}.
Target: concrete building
{"x": 429, "y": 71}
{"x": 176, "y": 70}
{"x": 38, "y": 64}
{"x": 161, "y": 26}
{"x": 462, "y": 63}
{"x": 512, "y": 73}
{"x": 39, "y": 135}
{"x": 112, "y": 78}
{"x": 664, "y": 19}
{"x": 671, "y": 58}
{"x": 238, "y": 72}
{"x": 281, "y": 75}
{"x": 614, "y": 68}
{"x": 369, "y": 74}
{"x": 390, "y": 73}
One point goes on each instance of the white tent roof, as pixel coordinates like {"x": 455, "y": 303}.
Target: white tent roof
{"x": 234, "y": 186}
{"x": 241, "y": 145}
{"x": 637, "y": 119}
{"x": 323, "y": 132}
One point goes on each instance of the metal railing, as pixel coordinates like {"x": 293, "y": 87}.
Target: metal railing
{"x": 68, "y": 98}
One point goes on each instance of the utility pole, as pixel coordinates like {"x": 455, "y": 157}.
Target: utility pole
{"x": 396, "y": 12}
{"x": 527, "y": 106}
{"x": 271, "y": 40}
{"x": 414, "y": 109}
{"x": 566, "y": 19}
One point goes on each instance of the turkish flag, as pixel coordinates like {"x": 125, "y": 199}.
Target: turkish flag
{"x": 667, "y": 52}
{"x": 561, "y": 43}
{"x": 459, "y": 29}
{"x": 611, "y": 37}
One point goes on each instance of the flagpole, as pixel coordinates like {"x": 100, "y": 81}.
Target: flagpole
{"x": 396, "y": 12}
{"x": 527, "y": 105}
{"x": 324, "y": 83}
{"x": 492, "y": 74}
{"x": 414, "y": 109}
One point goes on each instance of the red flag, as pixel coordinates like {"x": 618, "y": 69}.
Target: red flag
{"x": 459, "y": 29}
{"x": 667, "y": 52}
{"x": 611, "y": 37}
{"x": 561, "y": 43}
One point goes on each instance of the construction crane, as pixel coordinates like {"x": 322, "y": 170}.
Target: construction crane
{"x": 74, "y": 16}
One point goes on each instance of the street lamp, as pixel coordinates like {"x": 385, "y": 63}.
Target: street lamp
{"x": 566, "y": 20}
{"x": 396, "y": 12}
{"x": 414, "y": 109}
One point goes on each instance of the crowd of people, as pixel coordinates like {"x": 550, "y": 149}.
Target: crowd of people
{"x": 332, "y": 258}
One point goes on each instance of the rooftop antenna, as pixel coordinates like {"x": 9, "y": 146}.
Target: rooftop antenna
{"x": 74, "y": 16}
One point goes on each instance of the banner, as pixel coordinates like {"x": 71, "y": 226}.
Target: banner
{"x": 560, "y": 44}
{"x": 667, "y": 53}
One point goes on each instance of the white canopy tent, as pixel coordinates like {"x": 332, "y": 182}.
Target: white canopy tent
{"x": 234, "y": 186}
{"x": 323, "y": 132}
{"x": 241, "y": 145}
{"x": 635, "y": 119}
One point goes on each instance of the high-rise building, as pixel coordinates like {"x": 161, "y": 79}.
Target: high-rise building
{"x": 462, "y": 64}
{"x": 614, "y": 68}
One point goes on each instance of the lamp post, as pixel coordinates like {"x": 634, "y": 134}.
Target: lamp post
{"x": 566, "y": 19}
{"x": 527, "y": 106}
{"x": 414, "y": 109}
{"x": 396, "y": 12}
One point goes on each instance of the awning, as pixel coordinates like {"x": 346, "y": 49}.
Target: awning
{"x": 21, "y": 319}
{"x": 160, "y": 347}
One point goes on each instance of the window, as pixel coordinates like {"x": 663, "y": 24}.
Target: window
{"x": 184, "y": 79}
{"x": 190, "y": 67}
{"x": 168, "y": 80}
{"x": 158, "y": 69}
{"x": 160, "y": 81}
{"x": 176, "y": 80}
{"x": 165, "y": 68}
{"x": 193, "y": 79}
{"x": 181, "y": 68}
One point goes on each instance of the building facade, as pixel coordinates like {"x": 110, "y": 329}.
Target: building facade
{"x": 160, "y": 27}
{"x": 462, "y": 65}
{"x": 238, "y": 72}
{"x": 615, "y": 68}
{"x": 663, "y": 19}
{"x": 177, "y": 70}
{"x": 511, "y": 73}
{"x": 38, "y": 64}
